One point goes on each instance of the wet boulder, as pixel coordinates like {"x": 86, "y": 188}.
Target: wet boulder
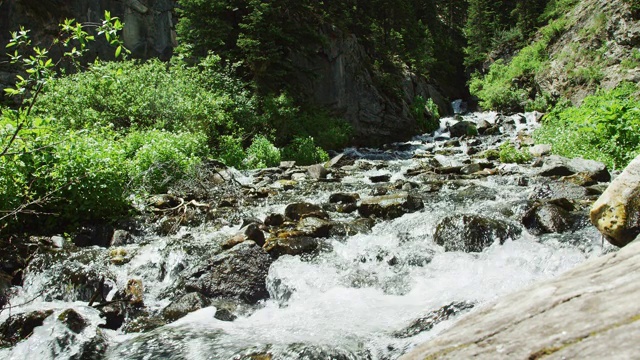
{"x": 380, "y": 178}
{"x": 314, "y": 227}
{"x": 249, "y": 232}
{"x": 616, "y": 213}
{"x": 544, "y": 218}
{"x": 344, "y": 198}
{"x": 433, "y": 318}
{"x": 463, "y": 128}
{"x": 274, "y": 220}
{"x": 238, "y": 273}
{"x": 472, "y": 233}
{"x": 74, "y": 321}
{"x": 20, "y": 326}
{"x": 357, "y": 226}
{"x": 296, "y": 211}
{"x": 99, "y": 235}
{"x": 291, "y": 243}
{"x": 186, "y": 304}
{"x": 390, "y": 206}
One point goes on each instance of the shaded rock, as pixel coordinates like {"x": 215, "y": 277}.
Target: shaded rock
{"x": 433, "y": 318}
{"x": 142, "y": 322}
{"x": 121, "y": 238}
{"x": 482, "y": 126}
{"x": 274, "y": 220}
{"x": 379, "y": 191}
{"x": 547, "y": 218}
{"x": 344, "y": 198}
{"x": 20, "y": 326}
{"x": 314, "y": 227}
{"x": 569, "y": 317}
{"x": 463, "y": 128}
{"x": 472, "y": 233}
{"x": 390, "y": 206}
{"x": 74, "y": 321}
{"x": 580, "y": 179}
{"x": 298, "y": 210}
{"x": 380, "y": 178}
{"x": 113, "y": 314}
{"x": 291, "y": 244}
{"x": 186, "y": 304}
{"x": 224, "y": 314}
{"x": 317, "y": 171}
{"x": 99, "y": 235}
{"x": 616, "y": 213}
{"x": 238, "y": 273}
{"x": 253, "y": 232}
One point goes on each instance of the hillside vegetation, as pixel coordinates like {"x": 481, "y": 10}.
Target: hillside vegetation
{"x": 81, "y": 142}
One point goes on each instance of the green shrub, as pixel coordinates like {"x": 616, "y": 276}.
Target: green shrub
{"x": 604, "y": 128}
{"x": 262, "y": 154}
{"x": 122, "y": 95}
{"x": 88, "y": 169}
{"x": 230, "y": 151}
{"x": 509, "y": 154}
{"x": 304, "y": 152}
{"x": 159, "y": 158}
{"x": 427, "y": 122}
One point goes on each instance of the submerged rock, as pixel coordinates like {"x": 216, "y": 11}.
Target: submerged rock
{"x": 390, "y": 206}
{"x": 298, "y": 210}
{"x": 238, "y": 273}
{"x": 293, "y": 243}
{"x": 433, "y": 318}
{"x": 19, "y": 327}
{"x": 472, "y": 233}
{"x": 186, "y": 304}
{"x": 616, "y": 213}
{"x": 74, "y": 321}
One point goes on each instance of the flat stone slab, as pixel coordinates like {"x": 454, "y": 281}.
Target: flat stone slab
{"x": 590, "y": 312}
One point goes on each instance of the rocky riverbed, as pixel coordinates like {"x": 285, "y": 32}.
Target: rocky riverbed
{"x": 360, "y": 258}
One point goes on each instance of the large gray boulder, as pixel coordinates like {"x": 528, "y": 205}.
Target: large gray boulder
{"x": 617, "y": 212}
{"x": 590, "y": 312}
{"x": 560, "y": 166}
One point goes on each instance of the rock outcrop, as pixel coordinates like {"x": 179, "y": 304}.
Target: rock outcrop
{"x": 617, "y": 212}
{"x": 590, "y": 312}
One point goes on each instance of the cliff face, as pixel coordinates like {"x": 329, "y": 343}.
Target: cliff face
{"x": 337, "y": 77}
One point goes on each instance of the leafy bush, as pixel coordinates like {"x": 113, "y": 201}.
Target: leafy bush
{"x": 262, "y": 153}
{"x": 122, "y": 95}
{"x": 509, "y": 154}
{"x": 288, "y": 121}
{"x": 426, "y": 123}
{"x": 230, "y": 151}
{"x": 604, "y": 128}
{"x": 157, "y": 159}
{"x": 304, "y": 152}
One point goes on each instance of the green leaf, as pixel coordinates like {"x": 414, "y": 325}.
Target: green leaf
{"x": 118, "y": 50}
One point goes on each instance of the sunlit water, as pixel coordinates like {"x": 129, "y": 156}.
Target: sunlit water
{"x": 346, "y": 302}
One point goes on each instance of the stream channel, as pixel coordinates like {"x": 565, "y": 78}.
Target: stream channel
{"x": 356, "y": 282}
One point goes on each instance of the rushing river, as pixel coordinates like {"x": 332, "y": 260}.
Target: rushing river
{"x": 348, "y": 301}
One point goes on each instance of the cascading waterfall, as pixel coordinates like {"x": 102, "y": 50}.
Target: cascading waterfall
{"x": 351, "y": 300}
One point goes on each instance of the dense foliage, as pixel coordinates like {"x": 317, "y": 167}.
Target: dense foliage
{"x": 605, "y": 127}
